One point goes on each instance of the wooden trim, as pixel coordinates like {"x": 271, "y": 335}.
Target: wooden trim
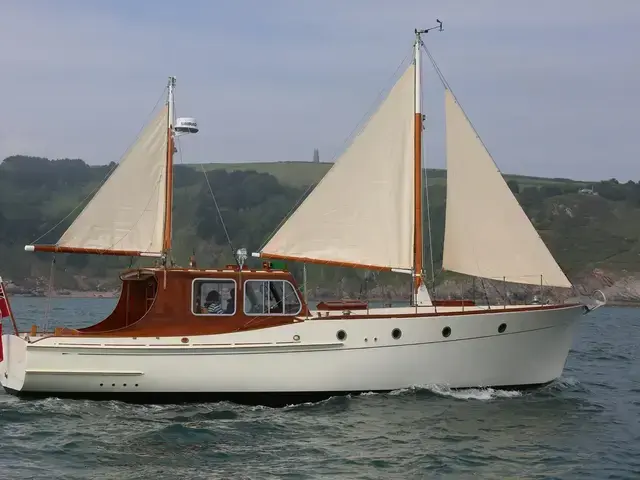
{"x": 91, "y": 251}
{"x": 324, "y": 262}
{"x": 168, "y": 192}
{"x": 338, "y": 305}
{"x": 417, "y": 193}
{"x": 498, "y": 310}
{"x": 171, "y": 314}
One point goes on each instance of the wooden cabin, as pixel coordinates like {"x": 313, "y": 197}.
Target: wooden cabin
{"x": 158, "y": 302}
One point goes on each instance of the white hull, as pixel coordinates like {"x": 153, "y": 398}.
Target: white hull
{"x": 302, "y": 357}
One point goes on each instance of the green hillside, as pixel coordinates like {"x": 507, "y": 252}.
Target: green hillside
{"x": 299, "y": 174}
{"x": 293, "y": 174}
{"x": 38, "y": 197}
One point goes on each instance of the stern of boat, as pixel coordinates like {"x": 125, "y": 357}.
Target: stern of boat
{"x": 14, "y": 362}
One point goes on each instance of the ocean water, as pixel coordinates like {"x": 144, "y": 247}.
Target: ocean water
{"x": 585, "y": 425}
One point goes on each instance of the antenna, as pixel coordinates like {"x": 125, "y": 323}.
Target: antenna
{"x": 427, "y": 30}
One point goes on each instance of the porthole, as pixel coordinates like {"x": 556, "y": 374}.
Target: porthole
{"x": 396, "y": 333}
{"x": 113, "y": 384}
{"x": 296, "y": 338}
{"x": 101, "y": 384}
{"x": 446, "y": 331}
{"x": 136, "y": 384}
{"x": 341, "y": 335}
{"x": 502, "y": 328}
{"x": 184, "y": 340}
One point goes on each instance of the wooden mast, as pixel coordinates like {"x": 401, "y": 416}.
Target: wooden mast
{"x": 168, "y": 194}
{"x": 417, "y": 175}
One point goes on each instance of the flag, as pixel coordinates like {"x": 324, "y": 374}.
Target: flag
{"x": 4, "y": 312}
{"x": 4, "y": 303}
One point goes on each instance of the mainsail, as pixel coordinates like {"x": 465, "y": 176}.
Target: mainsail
{"x": 361, "y": 212}
{"x": 127, "y": 213}
{"x": 487, "y": 234}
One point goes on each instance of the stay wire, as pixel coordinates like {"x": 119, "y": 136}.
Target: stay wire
{"x": 104, "y": 179}
{"x": 224, "y": 227}
{"x": 349, "y": 139}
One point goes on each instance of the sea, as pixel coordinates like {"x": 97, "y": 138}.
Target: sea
{"x": 584, "y": 425}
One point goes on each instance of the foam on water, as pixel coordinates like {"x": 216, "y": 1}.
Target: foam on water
{"x": 474, "y": 393}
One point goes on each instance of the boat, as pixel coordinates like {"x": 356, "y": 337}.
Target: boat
{"x": 246, "y": 333}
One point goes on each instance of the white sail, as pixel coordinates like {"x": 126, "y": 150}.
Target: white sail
{"x": 127, "y": 212}
{"x": 487, "y": 234}
{"x": 361, "y": 212}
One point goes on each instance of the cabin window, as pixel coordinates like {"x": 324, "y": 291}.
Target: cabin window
{"x": 214, "y": 297}
{"x": 270, "y": 297}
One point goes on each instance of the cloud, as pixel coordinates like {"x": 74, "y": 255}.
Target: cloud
{"x": 551, "y": 86}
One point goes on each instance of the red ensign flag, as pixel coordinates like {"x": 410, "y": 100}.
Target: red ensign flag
{"x": 4, "y": 312}
{"x": 4, "y": 306}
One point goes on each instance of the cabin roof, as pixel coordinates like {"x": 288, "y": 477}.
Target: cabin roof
{"x": 228, "y": 271}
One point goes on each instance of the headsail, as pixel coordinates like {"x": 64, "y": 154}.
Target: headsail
{"x": 487, "y": 234}
{"x": 361, "y": 212}
{"x": 127, "y": 213}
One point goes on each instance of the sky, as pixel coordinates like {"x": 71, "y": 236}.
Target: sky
{"x": 551, "y": 86}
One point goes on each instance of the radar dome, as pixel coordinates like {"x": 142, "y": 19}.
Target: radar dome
{"x": 186, "y": 125}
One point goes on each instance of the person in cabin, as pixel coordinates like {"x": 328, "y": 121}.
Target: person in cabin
{"x": 212, "y": 302}
{"x": 231, "y": 303}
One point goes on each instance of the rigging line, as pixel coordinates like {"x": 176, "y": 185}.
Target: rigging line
{"x": 358, "y": 128}
{"x": 104, "y": 179}
{"x": 448, "y": 87}
{"x": 486, "y": 294}
{"x": 426, "y": 194}
{"x": 47, "y": 320}
{"x": 224, "y": 227}
{"x": 177, "y": 139}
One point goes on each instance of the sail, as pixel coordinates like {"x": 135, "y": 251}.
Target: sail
{"x": 361, "y": 212}
{"x": 127, "y": 212}
{"x": 487, "y": 234}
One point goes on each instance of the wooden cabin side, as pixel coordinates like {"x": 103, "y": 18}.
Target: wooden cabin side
{"x": 137, "y": 295}
{"x": 246, "y": 299}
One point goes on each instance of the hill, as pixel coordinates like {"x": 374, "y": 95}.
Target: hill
{"x": 300, "y": 174}
{"x": 586, "y": 232}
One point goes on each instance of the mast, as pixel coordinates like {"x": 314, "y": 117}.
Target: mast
{"x": 166, "y": 243}
{"x": 418, "y": 243}
{"x": 417, "y": 174}
{"x": 136, "y": 198}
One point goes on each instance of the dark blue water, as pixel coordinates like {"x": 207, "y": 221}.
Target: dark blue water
{"x": 586, "y": 425}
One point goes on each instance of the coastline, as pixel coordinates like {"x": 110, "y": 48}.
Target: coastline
{"x": 70, "y": 294}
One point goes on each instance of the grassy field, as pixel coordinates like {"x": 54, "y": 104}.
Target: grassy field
{"x": 294, "y": 174}
{"x": 301, "y": 174}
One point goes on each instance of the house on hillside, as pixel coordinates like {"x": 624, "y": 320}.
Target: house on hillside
{"x": 587, "y": 191}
